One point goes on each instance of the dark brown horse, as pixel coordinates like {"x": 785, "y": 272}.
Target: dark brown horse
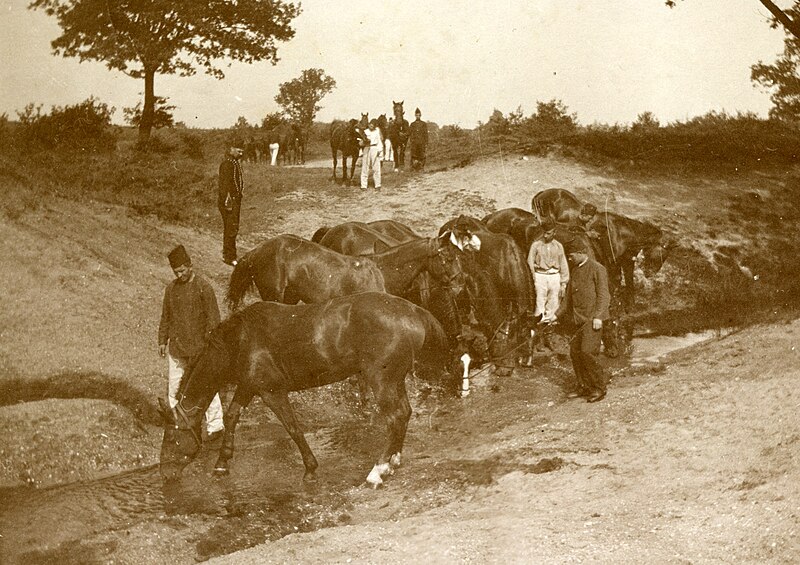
{"x": 500, "y": 282}
{"x": 271, "y": 349}
{"x": 558, "y": 204}
{"x": 290, "y": 269}
{"x": 398, "y": 134}
{"x": 516, "y": 222}
{"x": 347, "y": 139}
{"x": 394, "y": 229}
{"x": 353, "y": 238}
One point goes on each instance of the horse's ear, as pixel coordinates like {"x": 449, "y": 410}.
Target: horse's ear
{"x": 166, "y": 412}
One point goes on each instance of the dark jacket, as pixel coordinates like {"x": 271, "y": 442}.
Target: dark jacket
{"x": 418, "y": 133}
{"x": 587, "y": 293}
{"x": 230, "y": 179}
{"x": 188, "y": 315}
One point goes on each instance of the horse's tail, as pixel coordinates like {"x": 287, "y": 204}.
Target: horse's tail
{"x": 319, "y": 234}
{"x": 240, "y": 283}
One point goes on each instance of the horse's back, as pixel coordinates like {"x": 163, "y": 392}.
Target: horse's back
{"x": 558, "y": 204}
{"x": 394, "y": 229}
{"x": 355, "y": 238}
{"x": 316, "y": 344}
{"x": 516, "y": 222}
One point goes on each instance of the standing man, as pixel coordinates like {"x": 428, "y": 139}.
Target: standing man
{"x": 584, "y": 223}
{"x": 418, "y": 140}
{"x": 188, "y": 315}
{"x": 588, "y": 300}
{"x": 371, "y": 159}
{"x": 548, "y": 263}
{"x": 229, "y": 200}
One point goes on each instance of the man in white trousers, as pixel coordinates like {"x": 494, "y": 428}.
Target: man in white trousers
{"x": 188, "y": 315}
{"x": 371, "y": 159}
{"x": 548, "y": 263}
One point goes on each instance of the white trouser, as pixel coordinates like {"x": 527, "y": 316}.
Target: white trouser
{"x": 371, "y": 162}
{"x": 547, "y": 287}
{"x": 273, "y": 151}
{"x": 388, "y": 152}
{"x": 213, "y": 414}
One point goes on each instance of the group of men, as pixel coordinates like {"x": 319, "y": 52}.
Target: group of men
{"x": 580, "y": 292}
{"x": 190, "y": 311}
{"x": 374, "y": 149}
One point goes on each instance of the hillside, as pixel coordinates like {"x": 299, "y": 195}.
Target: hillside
{"x": 80, "y": 296}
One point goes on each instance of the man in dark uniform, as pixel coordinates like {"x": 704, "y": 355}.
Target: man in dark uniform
{"x": 587, "y": 302}
{"x": 229, "y": 200}
{"x": 418, "y": 141}
{"x": 188, "y": 315}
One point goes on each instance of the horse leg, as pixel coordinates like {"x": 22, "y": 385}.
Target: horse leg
{"x": 240, "y": 400}
{"x": 353, "y": 159}
{"x": 278, "y": 402}
{"x": 335, "y": 159}
{"x": 392, "y": 401}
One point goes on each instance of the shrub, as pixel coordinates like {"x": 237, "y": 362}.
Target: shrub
{"x": 84, "y": 126}
{"x": 192, "y": 145}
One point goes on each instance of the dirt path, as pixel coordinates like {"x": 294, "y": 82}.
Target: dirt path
{"x": 694, "y": 460}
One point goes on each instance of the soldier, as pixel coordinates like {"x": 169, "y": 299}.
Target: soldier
{"x": 188, "y": 315}
{"x": 587, "y": 302}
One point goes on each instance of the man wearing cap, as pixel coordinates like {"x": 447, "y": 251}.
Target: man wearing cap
{"x": 548, "y": 263}
{"x": 188, "y": 315}
{"x": 418, "y": 141}
{"x": 229, "y": 200}
{"x": 584, "y": 223}
{"x": 587, "y": 301}
{"x": 371, "y": 159}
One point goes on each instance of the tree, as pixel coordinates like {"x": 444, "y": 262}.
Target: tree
{"x": 782, "y": 76}
{"x": 787, "y": 18}
{"x": 645, "y": 122}
{"x": 142, "y": 38}
{"x": 162, "y": 114}
{"x": 273, "y": 120}
{"x": 300, "y": 97}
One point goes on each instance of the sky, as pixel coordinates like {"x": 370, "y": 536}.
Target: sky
{"x": 607, "y": 61}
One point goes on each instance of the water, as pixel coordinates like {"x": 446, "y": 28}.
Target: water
{"x": 651, "y": 349}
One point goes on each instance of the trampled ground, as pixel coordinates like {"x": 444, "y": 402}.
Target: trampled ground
{"x": 691, "y": 460}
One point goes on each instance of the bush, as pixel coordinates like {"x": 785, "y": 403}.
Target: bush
{"x": 192, "y": 145}
{"x": 84, "y": 126}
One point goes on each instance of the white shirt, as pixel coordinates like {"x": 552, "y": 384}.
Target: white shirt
{"x": 374, "y": 137}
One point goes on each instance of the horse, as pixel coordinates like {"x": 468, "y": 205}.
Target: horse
{"x": 426, "y": 290}
{"x": 398, "y": 134}
{"x": 289, "y": 269}
{"x": 558, "y": 204}
{"x": 272, "y": 349}
{"x": 394, "y": 229}
{"x": 353, "y": 238}
{"x": 346, "y": 138}
{"x": 516, "y": 222}
{"x": 500, "y": 283}
{"x": 251, "y": 150}
{"x": 383, "y": 125}
{"x": 300, "y": 141}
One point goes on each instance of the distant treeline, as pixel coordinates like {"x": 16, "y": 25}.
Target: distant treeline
{"x": 740, "y": 140}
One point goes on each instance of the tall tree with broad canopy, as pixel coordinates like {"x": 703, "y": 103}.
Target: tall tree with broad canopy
{"x": 300, "y": 97}
{"x": 782, "y": 77}
{"x": 142, "y": 38}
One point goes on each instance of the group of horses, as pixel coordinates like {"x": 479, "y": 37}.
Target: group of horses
{"x": 347, "y": 139}
{"x": 376, "y": 300}
{"x": 285, "y": 143}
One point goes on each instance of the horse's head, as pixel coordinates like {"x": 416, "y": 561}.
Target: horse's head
{"x": 397, "y": 109}
{"x": 653, "y": 257}
{"x": 382, "y": 122}
{"x": 364, "y": 121}
{"x": 181, "y": 439}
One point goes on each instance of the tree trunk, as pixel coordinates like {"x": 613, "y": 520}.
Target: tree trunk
{"x": 149, "y": 109}
{"x": 788, "y": 23}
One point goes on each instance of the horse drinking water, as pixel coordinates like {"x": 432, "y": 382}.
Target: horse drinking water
{"x": 271, "y": 349}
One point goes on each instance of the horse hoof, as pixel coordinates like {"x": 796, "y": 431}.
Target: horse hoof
{"x": 310, "y": 478}
{"x": 221, "y": 471}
